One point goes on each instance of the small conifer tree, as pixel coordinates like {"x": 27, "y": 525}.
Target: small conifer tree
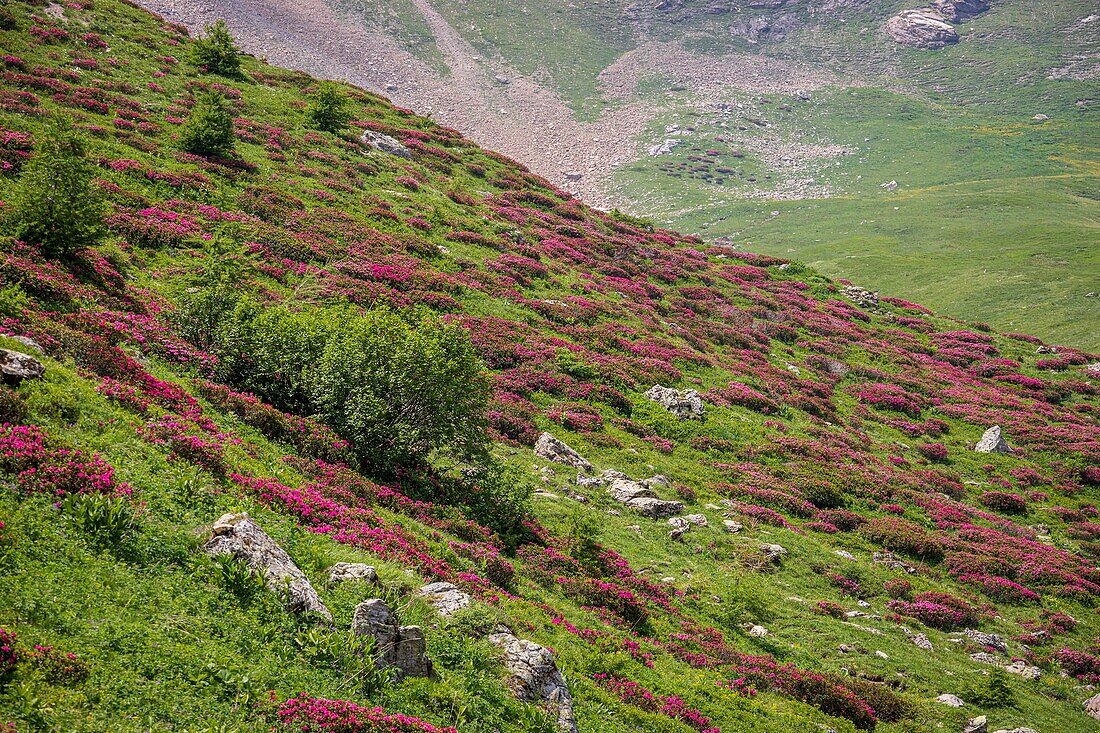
{"x": 56, "y": 204}
{"x": 328, "y": 109}
{"x": 209, "y": 129}
{"x": 216, "y": 52}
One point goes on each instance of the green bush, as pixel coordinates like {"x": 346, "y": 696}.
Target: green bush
{"x": 13, "y": 301}
{"x": 108, "y": 519}
{"x": 994, "y": 691}
{"x": 399, "y": 390}
{"x": 396, "y": 389}
{"x": 209, "y": 129}
{"x": 216, "y": 52}
{"x": 328, "y": 109}
{"x": 55, "y": 203}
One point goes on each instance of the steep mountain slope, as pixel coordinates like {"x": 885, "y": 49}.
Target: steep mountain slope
{"x": 711, "y": 115}
{"x": 839, "y": 553}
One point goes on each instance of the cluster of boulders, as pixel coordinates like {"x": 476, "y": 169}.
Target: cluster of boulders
{"x": 640, "y": 496}
{"x": 533, "y": 675}
{"x": 860, "y": 296}
{"x": 931, "y": 27}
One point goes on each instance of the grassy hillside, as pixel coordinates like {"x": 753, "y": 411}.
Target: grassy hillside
{"x": 997, "y": 201}
{"x": 836, "y": 430}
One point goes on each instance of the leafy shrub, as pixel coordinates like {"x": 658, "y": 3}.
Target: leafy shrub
{"x": 216, "y": 52}
{"x": 238, "y": 577}
{"x": 898, "y": 588}
{"x": 889, "y": 707}
{"x": 994, "y": 691}
{"x": 933, "y": 451}
{"x": 55, "y": 204}
{"x": 107, "y": 518}
{"x": 396, "y": 389}
{"x": 829, "y": 608}
{"x": 12, "y": 407}
{"x": 328, "y": 109}
{"x": 209, "y": 129}
{"x": 13, "y": 301}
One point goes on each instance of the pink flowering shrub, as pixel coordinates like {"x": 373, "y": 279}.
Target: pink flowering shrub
{"x": 671, "y": 706}
{"x": 304, "y": 714}
{"x": 8, "y": 655}
{"x": 40, "y": 465}
{"x": 937, "y": 610}
{"x": 829, "y": 608}
{"x": 1003, "y": 501}
{"x": 1000, "y": 588}
{"x": 901, "y": 535}
{"x": 890, "y": 397}
{"x": 61, "y": 668}
{"x": 1082, "y": 665}
{"x": 933, "y": 451}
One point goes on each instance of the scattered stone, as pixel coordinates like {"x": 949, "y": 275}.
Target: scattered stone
{"x": 342, "y": 572}
{"x": 238, "y": 535}
{"x": 1026, "y": 671}
{"x": 655, "y": 508}
{"x": 500, "y": 79}
{"x": 1040, "y": 118}
{"x": 979, "y": 724}
{"x": 881, "y": 654}
{"x": 547, "y": 495}
{"x": 573, "y": 176}
{"x": 29, "y": 343}
{"x": 1016, "y": 730}
{"x": 731, "y": 526}
{"x": 951, "y": 701}
{"x": 889, "y": 185}
{"x": 921, "y": 28}
{"x": 399, "y": 647}
{"x": 680, "y": 527}
{"x": 685, "y": 404}
{"x": 15, "y": 366}
{"x": 860, "y": 296}
{"x": 699, "y": 520}
{"x": 384, "y": 144}
{"x": 774, "y": 553}
{"x": 445, "y": 597}
{"x": 891, "y": 561}
{"x": 757, "y": 631}
{"x": 921, "y": 641}
{"x": 552, "y": 449}
{"x": 845, "y": 554}
{"x": 981, "y": 638}
{"x": 663, "y": 148}
{"x": 655, "y": 481}
{"x": 1092, "y": 706}
{"x": 993, "y": 442}
{"x": 846, "y": 649}
{"x": 534, "y": 677}
{"x": 986, "y": 658}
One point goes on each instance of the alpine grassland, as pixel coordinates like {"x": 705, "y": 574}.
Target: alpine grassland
{"x": 388, "y": 346}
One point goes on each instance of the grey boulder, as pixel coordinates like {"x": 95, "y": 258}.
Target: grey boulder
{"x": 239, "y": 536}
{"x": 552, "y": 449}
{"x": 922, "y": 28}
{"x": 343, "y": 572}
{"x": 685, "y": 404}
{"x": 993, "y": 442}
{"x": 400, "y": 647}
{"x": 533, "y": 676}
{"x": 15, "y": 366}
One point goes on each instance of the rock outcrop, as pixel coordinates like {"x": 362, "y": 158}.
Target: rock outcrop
{"x": 960, "y": 10}
{"x": 951, "y": 701}
{"x": 15, "y": 366}
{"x": 1092, "y": 706}
{"x": 384, "y": 144}
{"x": 993, "y": 442}
{"x": 343, "y": 572}
{"x": 400, "y": 647}
{"x": 637, "y": 495}
{"x": 552, "y": 449}
{"x": 238, "y": 535}
{"x": 533, "y": 676}
{"x": 685, "y": 404}
{"x": 921, "y": 28}
{"x": 445, "y": 597}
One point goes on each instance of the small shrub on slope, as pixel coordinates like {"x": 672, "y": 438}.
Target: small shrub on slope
{"x": 328, "y": 109}
{"x": 209, "y": 129}
{"x": 216, "y": 52}
{"x": 55, "y": 204}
